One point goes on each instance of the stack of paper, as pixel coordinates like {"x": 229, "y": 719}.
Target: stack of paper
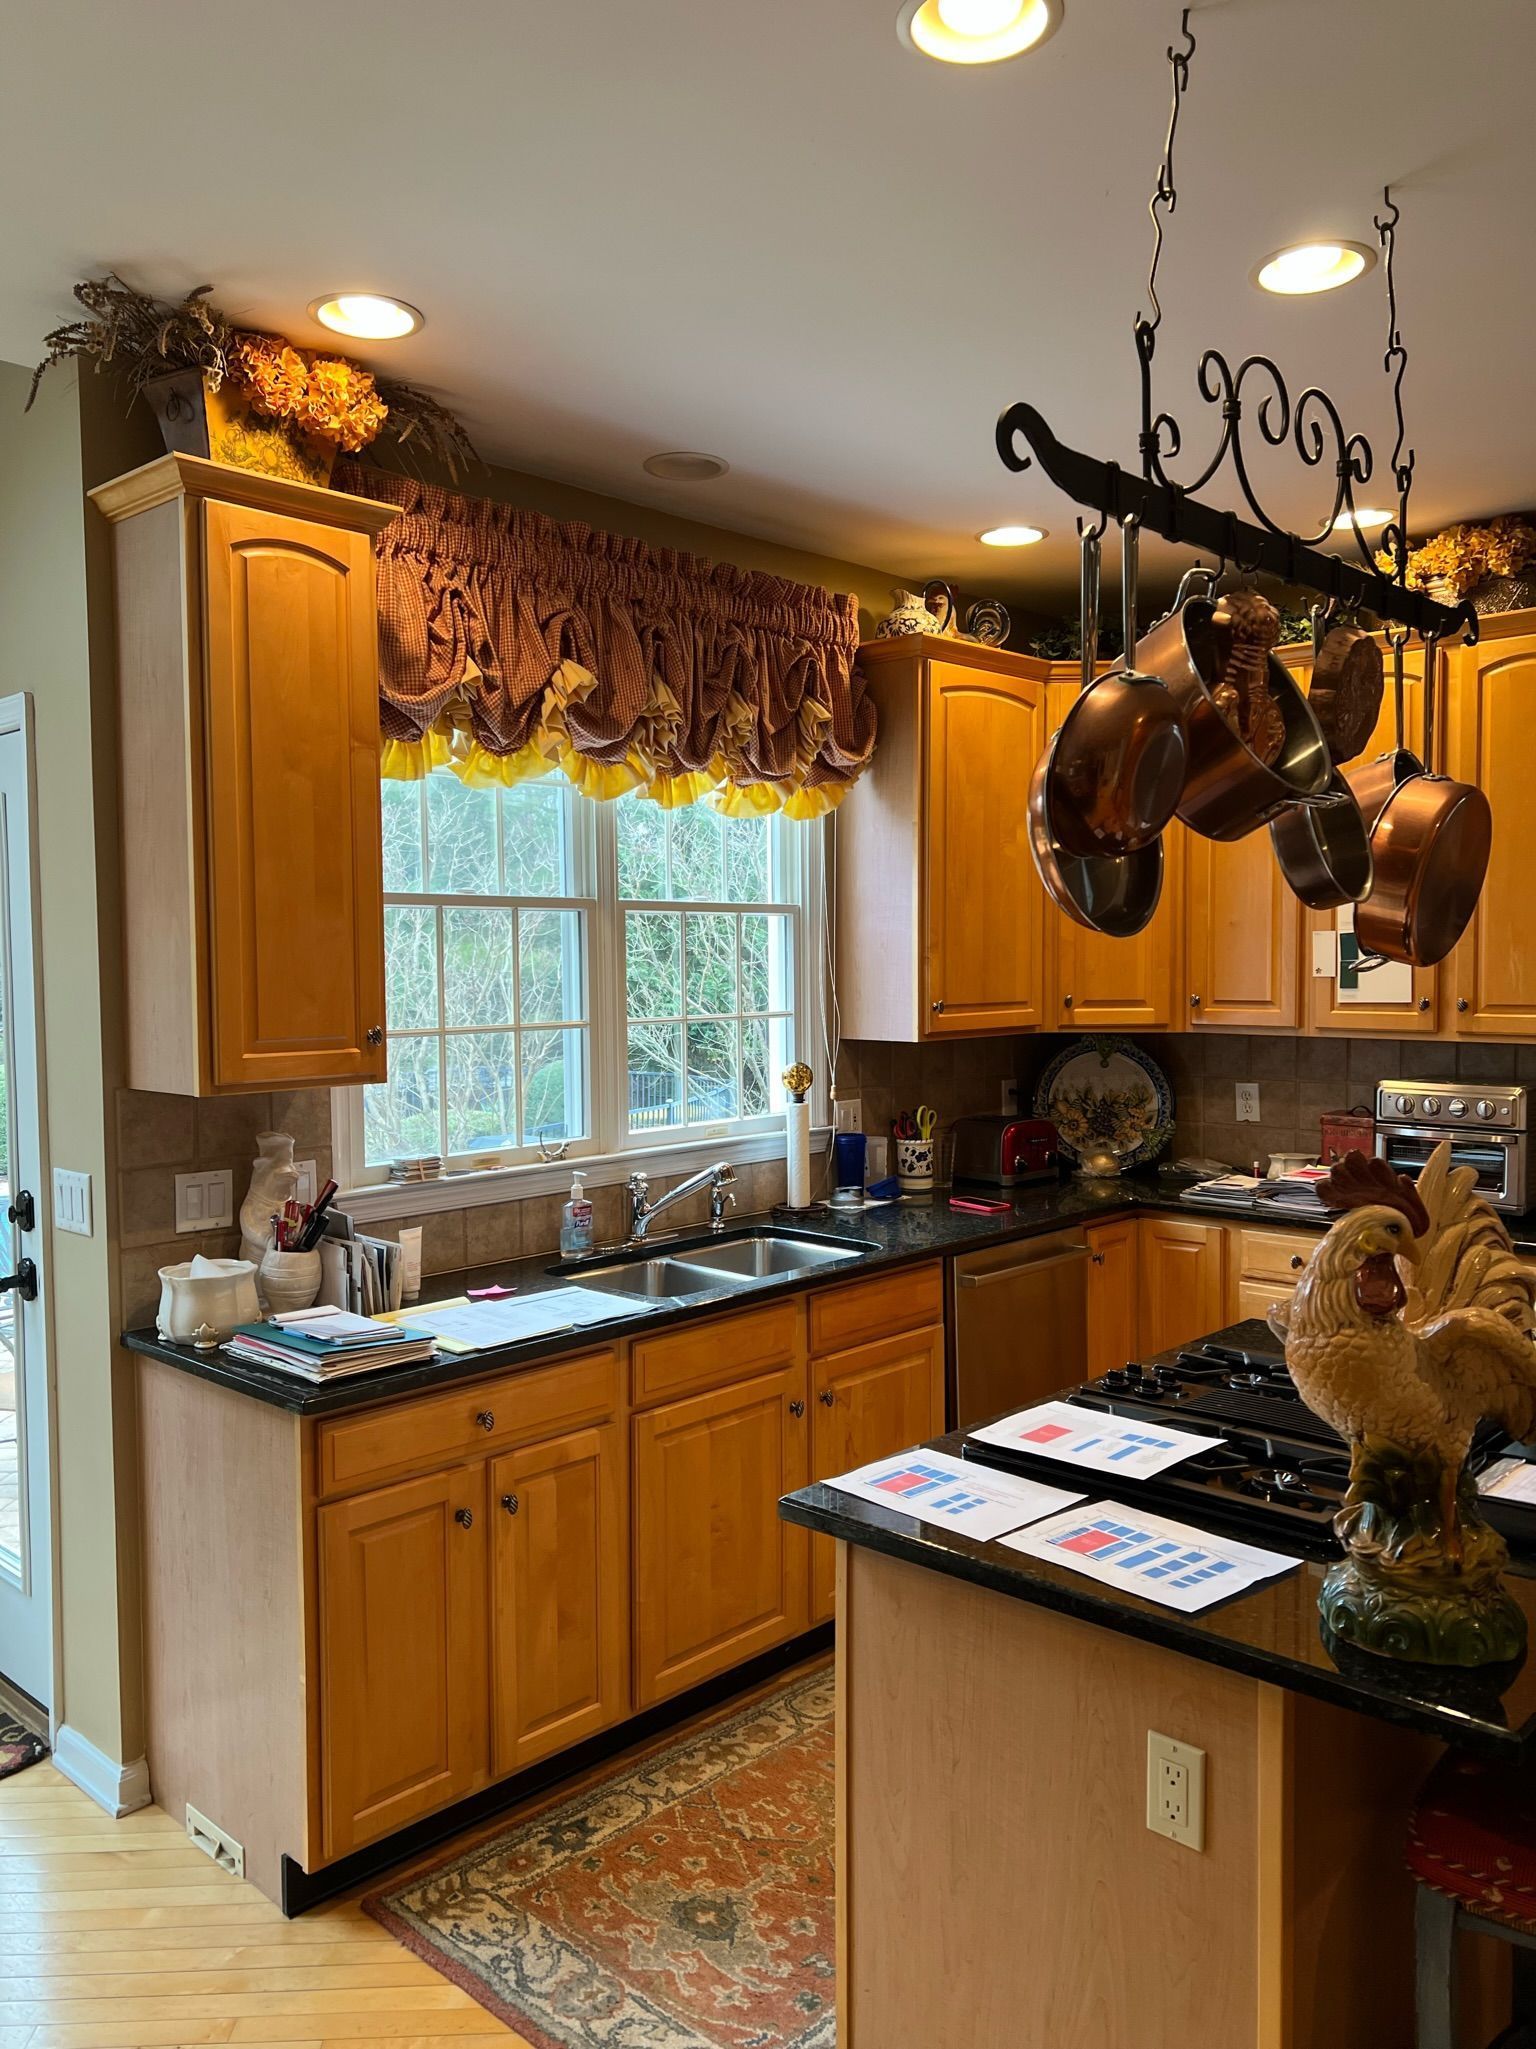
{"x": 974, "y": 1500}
{"x": 323, "y": 1344}
{"x": 512, "y": 1319}
{"x": 1297, "y": 1192}
{"x": 1169, "y": 1562}
{"x": 1228, "y": 1190}
{"x": 365, "y": 1275}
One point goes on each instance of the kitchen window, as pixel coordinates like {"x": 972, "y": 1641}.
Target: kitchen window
{"x": 602, "y": 978}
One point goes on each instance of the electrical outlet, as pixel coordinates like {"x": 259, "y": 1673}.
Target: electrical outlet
{"x": 1176, "y": 1790}
{"x": 1009, "y": 1104}
{"x": 850, "y": 1113}
{"x": 1247, "y": 1102}
{"x": 205, "y": 1201}
{"x": 72, "y": 1201}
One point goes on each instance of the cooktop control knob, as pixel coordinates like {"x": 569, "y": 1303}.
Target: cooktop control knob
{"x": 1430, "y": 1105}
{"x": 1456, "y": 1107}
{"x": 1404, "y": 1103}
{"x": 1485, "y": 1108}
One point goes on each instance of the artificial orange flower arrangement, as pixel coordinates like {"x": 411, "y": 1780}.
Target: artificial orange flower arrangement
{"x": 322, "y": 395}
{"x": 1463, "y": 556}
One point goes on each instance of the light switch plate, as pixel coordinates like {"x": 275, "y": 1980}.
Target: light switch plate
{"x": 850, "y": 1113}
{"x": 1247, "y": 1102}
{"x": 205, "y": 1201}
{"x": 72, "y": 1201}
{"x": 1009, "y": 1102}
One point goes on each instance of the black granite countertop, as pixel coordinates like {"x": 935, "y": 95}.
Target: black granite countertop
{"x": 902, "y": 1234}
{"x": 1272, "y": 1633}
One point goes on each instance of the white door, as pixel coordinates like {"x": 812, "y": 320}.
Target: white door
{"x": 26, "y": 1529}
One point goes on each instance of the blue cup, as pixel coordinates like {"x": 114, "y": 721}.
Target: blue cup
{"x": 848, "y": 1151}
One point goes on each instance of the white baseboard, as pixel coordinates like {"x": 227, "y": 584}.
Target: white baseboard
{"x": 119, "y": 1788}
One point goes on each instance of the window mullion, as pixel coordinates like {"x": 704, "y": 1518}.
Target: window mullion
{"x": 608, "y": 1037}
{"x": 442, "y": 1036}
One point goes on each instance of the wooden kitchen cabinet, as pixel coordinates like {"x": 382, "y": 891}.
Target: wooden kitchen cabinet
{"x": 1491, "y": 974}
{"x": 1243, "y": 935}
{"x": 403, "y": 1712}
{"x": 559, "y": 1596}
{"x": 866, "y": 1403}
{"x": 1183, "y": 1282}
{"x": 249, "y": 738}
{"x": 1114, "y": 1275}
{"x": 940, "y": 914}
{"x": 717, "y": 1576}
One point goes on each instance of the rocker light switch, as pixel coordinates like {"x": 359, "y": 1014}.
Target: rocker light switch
{"x": 205, "y": 1201}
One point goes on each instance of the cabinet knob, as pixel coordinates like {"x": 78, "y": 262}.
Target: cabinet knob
{"x": 1194, "y": 1002}
{"x": 1096, "y": 1258}
{"x": 1423, "y": 1003}
{"x": 486, "y": 1419}
{"x": 509, "y": 1503}
{"x": 1297, "y": 1262}
{"x": 1066, "y": 1002}
{"x": 375, "y": 1035}
{"x": 797, "y": 1408}
{"x": 465, "y": 1518}
{"x": 826, "y": 1398}
{"x": 938, "y": 1004}
{"x": 1462, "y": 1003}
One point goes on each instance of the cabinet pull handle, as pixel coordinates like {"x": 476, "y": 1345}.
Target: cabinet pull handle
{"x": 1462, "y": 1003}
{"x": 1194, "y": 1002}
{"x": 1297, "y": 1262}
{"x": 375, "y": 1035}
{"x": 465, "y": 1518}
{"x": 797, "y": 1408}
{"x": 1423, "y": 1003}
{"x": 826, "y": 1397}
{"x": 486, "y": 1419}
{"x": 1097, "y": 1258}
{"x": 939, "y": 1004}
{"x": 509, "y": 1503}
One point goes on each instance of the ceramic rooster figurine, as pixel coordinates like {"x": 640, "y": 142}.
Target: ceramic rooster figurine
{"x": 1412, "y": 1324}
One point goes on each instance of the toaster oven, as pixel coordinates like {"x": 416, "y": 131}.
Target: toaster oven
{"x": 1485, "y": 1124}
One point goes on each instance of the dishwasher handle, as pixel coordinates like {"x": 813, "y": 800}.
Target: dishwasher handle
{"x": 1028, "y": 1266}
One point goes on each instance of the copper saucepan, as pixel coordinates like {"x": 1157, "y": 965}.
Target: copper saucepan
{"x": 1119, "y": 761}
{"x": 1115, "y": 894}
{"x": 1228, "y": 791}
{"x": 1374, "y": 781}
{"x": 1430, "y": 844}
{"x": 1324, "y": 847}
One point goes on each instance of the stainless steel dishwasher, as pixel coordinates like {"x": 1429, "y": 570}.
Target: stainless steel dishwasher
{"x": 1020, "y": 1319}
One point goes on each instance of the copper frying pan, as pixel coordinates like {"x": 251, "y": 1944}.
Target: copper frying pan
{"x": 1115, "y": 894}
{"x": 1430, "y": 845}
{"x": 1117, "y": 768}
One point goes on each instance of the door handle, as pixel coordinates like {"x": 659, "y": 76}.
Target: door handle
{"x": 23, "y": 1210}
{"x": 23, "y": 1281}
{"x": 1029, "y": 1266}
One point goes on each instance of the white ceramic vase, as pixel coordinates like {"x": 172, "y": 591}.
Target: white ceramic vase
{"x": 289, "y": 1280}
{"x": 273, "y": 1180}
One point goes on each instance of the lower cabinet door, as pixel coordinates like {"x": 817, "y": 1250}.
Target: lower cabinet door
{"x": 559, "y": 1597}
{"x": 1183, "y": 1282}
{"x": 866, "y": 1403}
{"x": 403, "y": 1714}
{"x": 717, "y": 1576}
{"x": 1113, "y": 1293}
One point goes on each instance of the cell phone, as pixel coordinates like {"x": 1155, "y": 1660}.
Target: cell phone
{"x": 980, "y": 1205}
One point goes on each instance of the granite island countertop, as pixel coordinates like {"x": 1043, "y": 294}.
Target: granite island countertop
{"x": 1273, "y": 1632}
{"x": 902, "y": 1234}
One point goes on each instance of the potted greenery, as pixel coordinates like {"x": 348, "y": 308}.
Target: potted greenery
{"x": 237, "y": 396}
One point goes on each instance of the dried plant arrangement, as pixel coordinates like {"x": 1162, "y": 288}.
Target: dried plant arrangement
{"x": 323, "y": 397}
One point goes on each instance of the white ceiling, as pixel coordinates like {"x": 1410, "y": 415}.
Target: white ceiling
{"x": 764, "y": 229}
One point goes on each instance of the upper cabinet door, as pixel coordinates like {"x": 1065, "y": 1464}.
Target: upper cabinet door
{"x": 1492, "y": 974}
{"x": 292, "y": 801}
{"x": 1244, "y": 934}
{"x": 984, "y": 959}
{"x": 1406, "y": 1001}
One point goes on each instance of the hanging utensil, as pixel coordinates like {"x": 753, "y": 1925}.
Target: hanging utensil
{"x": 1228, "y": 791}
{"x": 1374, "y": 781}
{"x": 1120, "y": 756}
{"x": 1115, "y": 894}
{"x": 1430, "y": 844}
{"x": 1346, "y": 689}
{"x": 1324, "y": 848}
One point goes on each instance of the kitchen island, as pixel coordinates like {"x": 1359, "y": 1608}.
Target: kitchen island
{"x": 997, "y": 1880}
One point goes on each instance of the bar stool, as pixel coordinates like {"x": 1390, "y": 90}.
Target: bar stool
{"x": 1472, "y": 1848}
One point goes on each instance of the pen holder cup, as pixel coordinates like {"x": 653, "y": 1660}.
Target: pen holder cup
{"x": 914, "y": 1165}
{"x": 289, "y": 1280}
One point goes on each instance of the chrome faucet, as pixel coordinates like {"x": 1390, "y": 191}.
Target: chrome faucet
{"x": 720, "y": 1178}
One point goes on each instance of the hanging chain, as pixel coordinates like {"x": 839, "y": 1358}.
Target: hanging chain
{"x": 1166, "y": 197}
{"x": 1395, "y": 363}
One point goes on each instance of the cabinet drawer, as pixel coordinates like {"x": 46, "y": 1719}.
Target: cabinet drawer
{"x": 486, "y": 1415}
{"x": 712, "y": 1354}
{"x": 1274, "y": 1255}
{"x": 873, "y": 1309}
{"x": 1256, "y": 1298}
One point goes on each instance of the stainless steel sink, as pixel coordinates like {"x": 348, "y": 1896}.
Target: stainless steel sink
{"x": 758, "y": 1259}
{"x": 743, "y": 1262}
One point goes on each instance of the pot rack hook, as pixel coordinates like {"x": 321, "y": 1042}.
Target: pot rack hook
{"x": 1230, "y": 550}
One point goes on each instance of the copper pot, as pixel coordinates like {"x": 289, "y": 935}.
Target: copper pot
{"x": 1430, "y": 845}
{"x": 1118, "y": 764}
{"x": 1324, "y": 849}
{"x": 1228, "y": 791}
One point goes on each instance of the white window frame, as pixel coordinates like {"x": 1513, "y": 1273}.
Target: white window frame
{"x": 800, "y": 884}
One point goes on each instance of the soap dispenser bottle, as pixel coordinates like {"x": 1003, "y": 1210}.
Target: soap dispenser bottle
{"x": 576, "y": 1222}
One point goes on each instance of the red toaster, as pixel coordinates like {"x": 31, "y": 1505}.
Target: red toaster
{"x": 1005, "y": 1152}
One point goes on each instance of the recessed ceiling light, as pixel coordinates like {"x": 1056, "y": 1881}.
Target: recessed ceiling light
{"x": 685, "y": 466}
{"x": 1313, "y": 267}
{"x": 366, "y": 316}
{"x": 1012, "y": 536}
{"x": 976, "y": 31}
{"x": 1365, "y": 516}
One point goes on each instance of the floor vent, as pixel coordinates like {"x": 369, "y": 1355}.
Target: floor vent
{"x": 224, "y": 1850}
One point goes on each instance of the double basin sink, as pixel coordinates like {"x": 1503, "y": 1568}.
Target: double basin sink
{"x": 742, "y": 1260}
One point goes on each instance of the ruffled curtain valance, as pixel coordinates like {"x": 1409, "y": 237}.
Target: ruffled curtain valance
{"x": 511, "y": 644}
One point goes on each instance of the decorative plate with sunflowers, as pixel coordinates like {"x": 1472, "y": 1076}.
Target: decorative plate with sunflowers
{"x": 1107, "y": 1093}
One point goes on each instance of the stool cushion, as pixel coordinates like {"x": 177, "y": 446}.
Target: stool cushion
{"x": 1472, "y": 1835}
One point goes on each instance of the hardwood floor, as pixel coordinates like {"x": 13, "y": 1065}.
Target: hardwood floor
{"x": 119, "y": 1935}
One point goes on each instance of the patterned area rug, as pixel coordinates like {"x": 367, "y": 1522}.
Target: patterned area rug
{"x": 18, "y": 1746}
{"x": 681, "y": 1901}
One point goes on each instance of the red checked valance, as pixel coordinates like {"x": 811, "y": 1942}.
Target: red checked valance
{"x": 512, "y": 644}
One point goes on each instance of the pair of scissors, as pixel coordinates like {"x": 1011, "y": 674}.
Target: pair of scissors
{"x": 925, "y": 1120}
